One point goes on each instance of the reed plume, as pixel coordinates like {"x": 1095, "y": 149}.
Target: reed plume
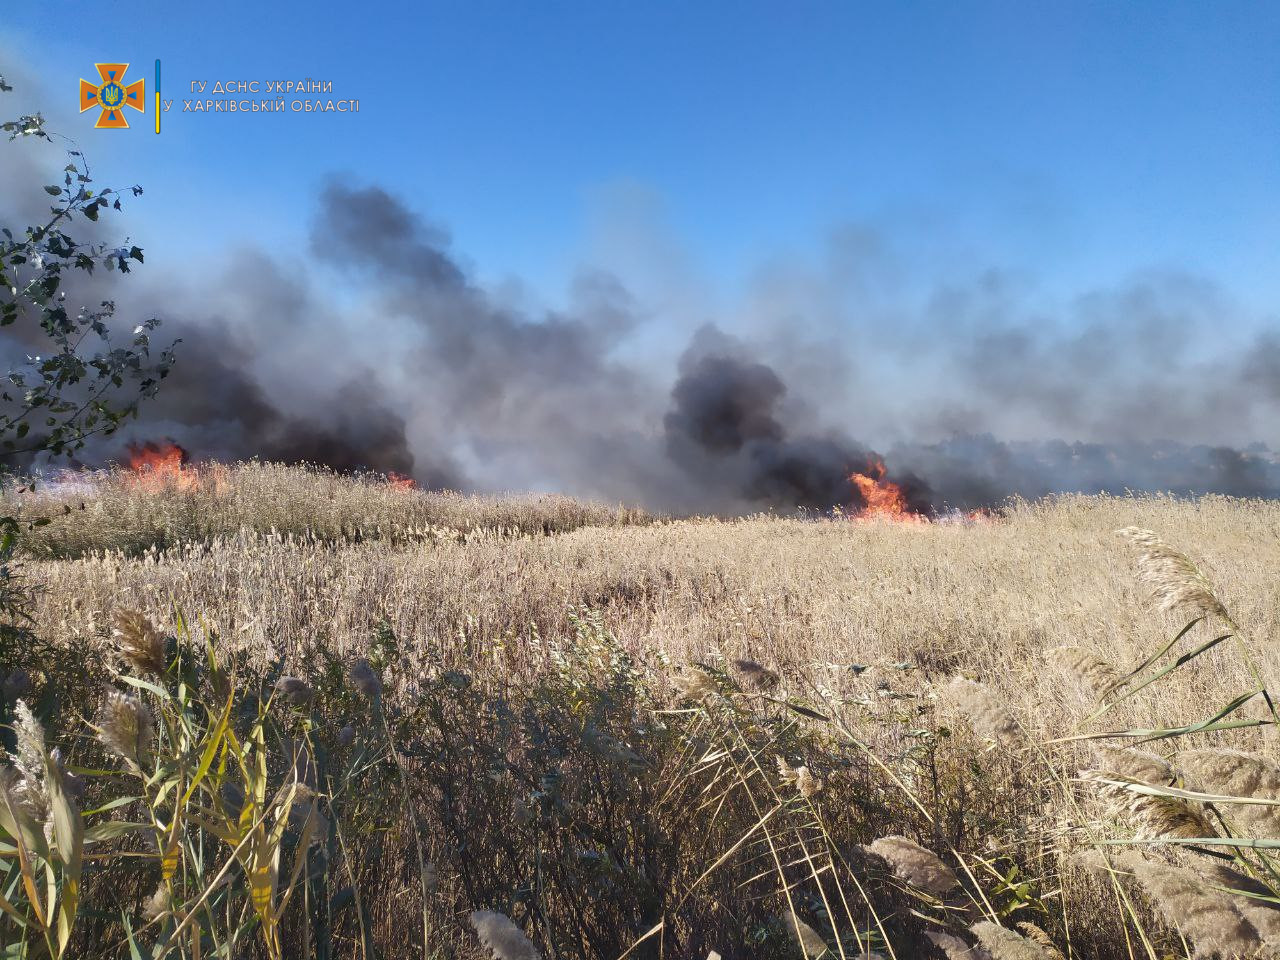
{"x": 16, "y": 684}
{"x": 366, "y": 682}
{"x": 1173, "y": 580}
{"x": 295, "y": 690}
{"x": 30, "y": 737}
{"x": 139, "y": 642}
{"x": 502, "y": 938}
{"x": 1090, "y": 669}
{"x": 914, "y": 864}
{"x": 1135, "y": 764}
{"x": 1004, "y": 944}
{"x": 158, "y": 903}
{"x": 1155, "y": 816}
{"x": 804, "y": 936}
{"x": 125, "y": 727}
{"x": 953, "y": 948}
{"x": 1208, "y": 918}
{"x": 985, "y": 713}
{"x": 1037, "y": 935}
{"x": 801, "y": 778}
{"x": 1254, "y": 900}
{"x": 25, "y": 779}
{"x": 1235, "y": 773}
{"x": 755, "y": 676}
{"x": 694, "y": 683}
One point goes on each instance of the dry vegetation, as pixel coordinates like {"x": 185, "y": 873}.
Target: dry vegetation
{"x": 762, "y": 737}
{"x": 124, "y": 511}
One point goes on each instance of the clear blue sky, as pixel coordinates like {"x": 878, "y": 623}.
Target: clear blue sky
{"x": 1079, "y": 141}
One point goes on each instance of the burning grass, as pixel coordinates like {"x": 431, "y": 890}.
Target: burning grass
{"x": 584, "y": 742}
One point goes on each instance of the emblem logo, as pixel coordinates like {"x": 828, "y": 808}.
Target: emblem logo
{"x": 111, "y": 95}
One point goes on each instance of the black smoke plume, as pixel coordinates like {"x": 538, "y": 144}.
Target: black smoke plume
{"x": 726, "y": 428}
{"x": 373, "y": 347}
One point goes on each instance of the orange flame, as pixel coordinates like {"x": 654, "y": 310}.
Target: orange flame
{"x": 883, "y": 499}
{"x": 400, "y": 482}
{"x": 159, "y": 466}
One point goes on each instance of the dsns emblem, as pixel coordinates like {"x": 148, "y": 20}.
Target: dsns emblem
{"x": 111, "y": 95}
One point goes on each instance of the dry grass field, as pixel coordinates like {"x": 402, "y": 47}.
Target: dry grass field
{"x": 476, "y": 721}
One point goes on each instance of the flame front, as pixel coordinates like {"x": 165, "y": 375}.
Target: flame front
{"x": 157, "y": 466}
{"x": 883, "y": 499}
{"x": 400, "y": 482}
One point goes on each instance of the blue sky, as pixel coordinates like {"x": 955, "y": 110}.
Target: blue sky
{"x": 1078, "y": 142}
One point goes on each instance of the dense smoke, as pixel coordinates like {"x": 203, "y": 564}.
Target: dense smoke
{"x": 372, "y": 346}
{"x": 724, "y": 427}
{"x": 428, "y": 373}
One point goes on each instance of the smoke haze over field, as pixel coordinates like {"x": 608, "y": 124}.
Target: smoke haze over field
{"x": 801, "y": 245}
{"x": 382, "y": 351}
{"x": 371, "y": 345}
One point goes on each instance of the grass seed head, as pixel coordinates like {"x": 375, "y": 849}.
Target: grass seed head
{"x": 694, "y": 683}
{"x": 1087, "y": 667}
{"x": 125, "y": 727}
{"x": 366, "y": 682}
{"x": 986, "y": 714}
{"x": 1134, "y": 764}
{"x": 953, "y": 948}
{"x": 295, "y": 690}
{"x": 1034, "y": 933}
{"x": 754, "y": 676}
{"x": 16, "y": 684}
{"x": 1004, "y": 944}
{"x": 802, "y": 778}
{"x": 1208, "y": 918}
{"x": 138, "y": 642}
{"x": 913, "y": 864}
{"x": 158, "y": 904}
{"x": 1235, "y": 773}
{"x": 1254, "y": 900}
{"x": 1155, "y": 816}
{"x": 804, "y": 936}
{"x": 502, "y": 938}
{"x": 27, "y": 796}
{"x": 29, "y": 733}
{"x": 1173, "y": 580}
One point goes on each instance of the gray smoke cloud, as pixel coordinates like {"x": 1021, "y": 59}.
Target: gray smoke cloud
{"x": 424, "y": 372}
{"x": 373, "y": 346}
{"x": 726, "y": 427}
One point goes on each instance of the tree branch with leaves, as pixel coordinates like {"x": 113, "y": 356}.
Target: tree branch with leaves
{"x": 75, "y": 381}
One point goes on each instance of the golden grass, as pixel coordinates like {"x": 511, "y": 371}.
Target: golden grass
{"x": 989, "y": 601}
{"x": 117, "y": 512}
{"x": 869, "y": 623}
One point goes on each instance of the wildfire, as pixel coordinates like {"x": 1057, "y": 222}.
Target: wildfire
{"x": 157, "y": 466}
{"x": 883, "y": 499}
{"x": 400, "y": 482}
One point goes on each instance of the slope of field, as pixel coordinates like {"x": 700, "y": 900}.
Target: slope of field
{"x": 545, "y": 651}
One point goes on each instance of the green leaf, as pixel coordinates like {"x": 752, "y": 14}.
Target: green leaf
{"x": 110, "y": 804}
{"x": 160, "y": 692}
{"x": 211, "y": 748}
{"x": 112, "y": 830}
{"x": 53, "y": 190}
{"x": 1208, "y": 725}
